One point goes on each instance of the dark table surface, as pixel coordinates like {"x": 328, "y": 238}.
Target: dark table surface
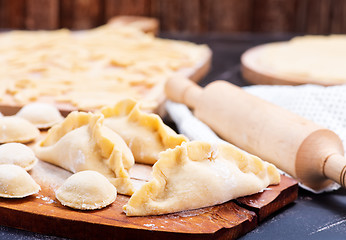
{"x": 311, "y": 216}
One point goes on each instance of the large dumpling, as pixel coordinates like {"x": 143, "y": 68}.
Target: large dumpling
{"x": 82, "y": 142}
{"x": 145, "y": 133}
{"x": 198, "y": 174}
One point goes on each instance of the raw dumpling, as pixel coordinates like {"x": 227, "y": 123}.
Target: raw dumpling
{"x": 17, "y": 154}
{"x": 16, "y": 129}
{"x": 15, "y": 182}
{"x": 198, "y": 174}
{"x": 145, "y": 134}
{"x": 86, "y": 190}
{"x": 42, "y": 115}
{"x": 82, "y": 142}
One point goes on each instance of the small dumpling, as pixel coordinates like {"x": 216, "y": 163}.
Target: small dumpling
{"x": 198, "y": 174}
{"x": 145, "y": 133}
{"x": 42, "y": 115}
{"x": 81, "y": 142}
{"x": 15, "y": 182}
{"x": 86, "y": 190}
{"x": 16, "y": 129}
{"x": 17, "y": 154}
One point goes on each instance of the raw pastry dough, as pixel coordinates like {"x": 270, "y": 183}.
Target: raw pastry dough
{"x": 17, "y": 154}
{"x": 82, "y": 142}
{"x": 145, "y": 133}
{"x": 92, "y": 68}
{"x": 198, "y": 174}
{"x": 15, "y": 182}
{"x": 317, "y": 59}
{"x": 86, "y": 190}
{"x": 42, "y": 115}
{"x": 16, "y": 129}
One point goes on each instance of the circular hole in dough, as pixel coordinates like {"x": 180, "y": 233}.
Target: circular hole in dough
{"x": 16, "y": 129}
{"x": 42, "y": 115}
{"x": 17, "y": 154}
{"x": 86, "y": 190}
{"x": 15, "y": 182}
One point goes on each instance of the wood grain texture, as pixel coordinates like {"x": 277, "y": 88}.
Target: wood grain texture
{"x": 299, "y": 16}
{"x": 12, "y": 14}
{"x": 274, "y": 15}
{"x": 42, "y": 14}
{"x": 318, "y": 16}
{"x": 82, "y": 14}
{"x": 230, "y": 16}
{"x": 126, "y": 7}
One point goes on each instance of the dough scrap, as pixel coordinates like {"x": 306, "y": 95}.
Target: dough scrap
{"x": 82, "y": 142}
{"x": 198, "y": 174}
{"x": 42, "y": 115}
{"x": 15, "y": 182}
{"x": 86, "y": 190}
{"x": 17, "y": 154}
{"x": 16, "y": 129}
{"x": 145, "y": 133}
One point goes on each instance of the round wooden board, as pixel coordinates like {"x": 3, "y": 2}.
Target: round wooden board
{"x": 256, "y": 73}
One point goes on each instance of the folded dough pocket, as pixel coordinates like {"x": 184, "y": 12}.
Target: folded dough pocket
{"x": 145, "y": 133}
{"x": 82, "y": 142}
{"x": 198, "y": 174}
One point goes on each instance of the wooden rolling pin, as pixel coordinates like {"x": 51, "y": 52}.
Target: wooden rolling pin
{"x": 303, "y": 149}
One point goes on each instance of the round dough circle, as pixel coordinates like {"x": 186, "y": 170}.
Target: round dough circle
{"x": 17, "y": 154}
{"x": 86, "y": 190}
{"x": 42, "y": 115}
{"x": 15, "y": 182}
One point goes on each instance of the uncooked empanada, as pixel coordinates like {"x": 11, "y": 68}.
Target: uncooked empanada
{"x": 15, "y": 182}
{"x": 82, "y": 142}
{"x": 17, "y": 154}
{"x": 145, "y": 133}
{"x": 16, "y": 129}
{"x": 86, "y": 190}
{"x": 198, "y": 174}
{"x": 42, "y": 115}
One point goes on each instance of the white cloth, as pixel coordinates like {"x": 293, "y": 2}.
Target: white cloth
{"x": 325, "y": 106}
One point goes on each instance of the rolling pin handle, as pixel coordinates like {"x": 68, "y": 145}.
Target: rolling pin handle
{"x": 335, "y": 169}
{"x": 183, "y": 91}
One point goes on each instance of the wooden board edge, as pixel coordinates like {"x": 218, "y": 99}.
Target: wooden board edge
{"x": 69, "y": 228}
{"x": 278, "y": 198}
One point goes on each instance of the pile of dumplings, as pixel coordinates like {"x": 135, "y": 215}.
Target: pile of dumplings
{"x": 16, "y": 158}
{"x": 100, "y": 148}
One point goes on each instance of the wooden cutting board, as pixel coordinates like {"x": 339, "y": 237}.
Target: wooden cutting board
{"x": 43, "y": 213}
{"x": 256, "y": 73}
